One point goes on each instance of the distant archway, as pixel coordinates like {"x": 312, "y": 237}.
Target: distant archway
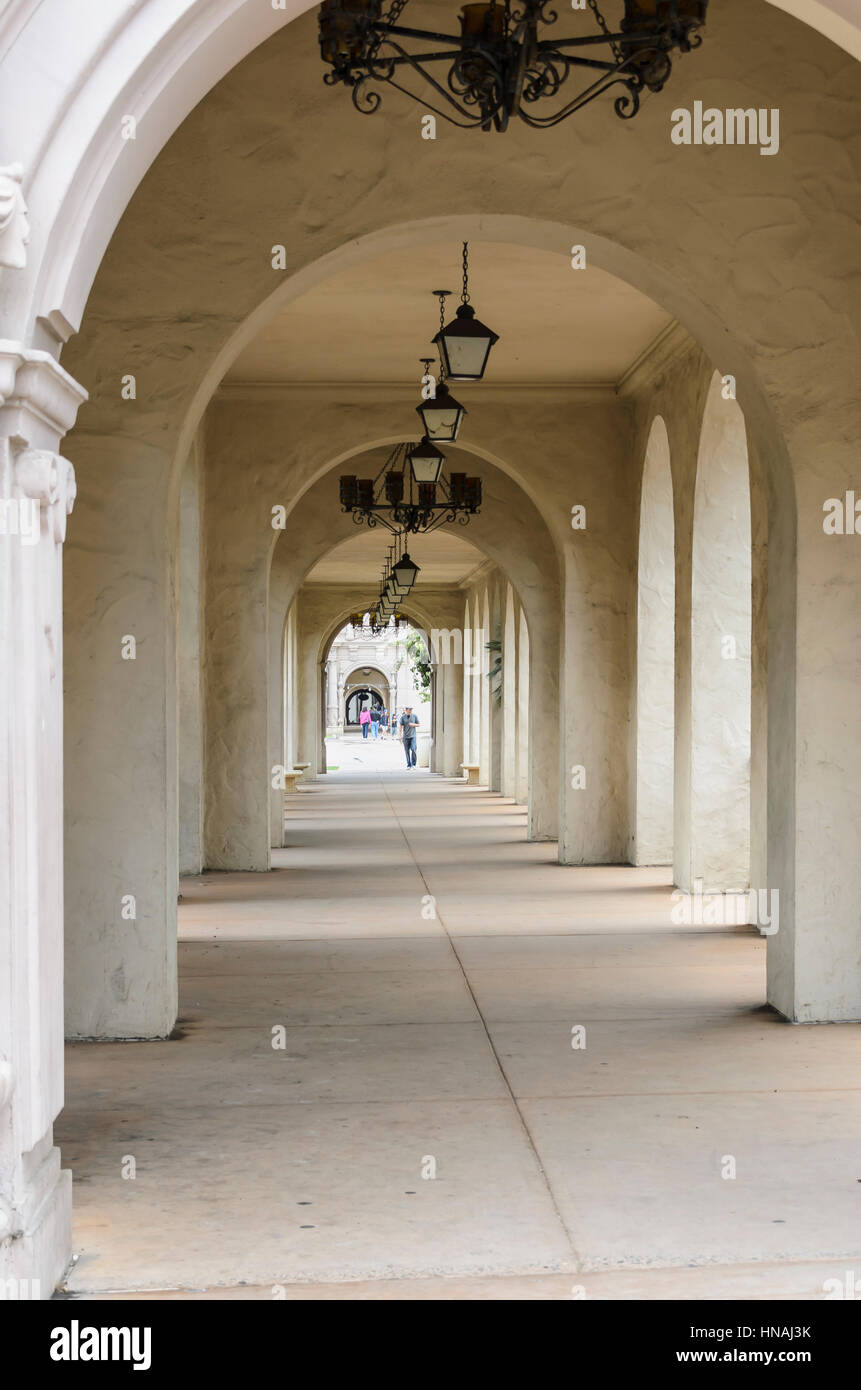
{"x": 364, "y": 697}
{"x": 364, "y": 689}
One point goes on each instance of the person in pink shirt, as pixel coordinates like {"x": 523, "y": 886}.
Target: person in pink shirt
{"x": 364, "y": 720}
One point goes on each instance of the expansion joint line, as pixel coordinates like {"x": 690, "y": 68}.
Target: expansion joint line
{"x": 524, "y": 1124}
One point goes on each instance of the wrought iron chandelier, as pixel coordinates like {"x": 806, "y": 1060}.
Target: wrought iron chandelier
{"x": 410, "y": 493}
{"x": 498, "y": 67}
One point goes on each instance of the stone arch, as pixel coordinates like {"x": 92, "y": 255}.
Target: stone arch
{"x": 159, "y": 63}
{"x": 655, "y": 693}
{"x": 375, "y": 681}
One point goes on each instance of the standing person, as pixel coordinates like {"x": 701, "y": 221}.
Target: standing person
{"x": 384, "y": 722}
{"x": 364, "y": 720}
{"x": 409, "y": 723}
{"x": 375, "y": 721}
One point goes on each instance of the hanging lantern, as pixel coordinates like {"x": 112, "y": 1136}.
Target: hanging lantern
{"x": 404, "y": 574}
{"x": 442, "y": 416}
{"x": 464, "y": 345}
{"x": 426, "y": 462}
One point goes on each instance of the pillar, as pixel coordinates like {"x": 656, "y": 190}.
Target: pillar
{"x": 189, "y": 667}
{"x": 238, "y": 652}
{"x": 277, "y": 724}
{"x": 38, "y": 405}
{"x": 509, "y": 699}
{"x": 308, "y": 699}
{"x": 120, "y": 722}
{"x": 594, "y": 708}
{"x": 522, "y": 774}
{"x": 449, "y": 710}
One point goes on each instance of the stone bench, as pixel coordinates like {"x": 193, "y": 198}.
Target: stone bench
{"x": 291, "y": 777}
{"x": 471, "y": 770}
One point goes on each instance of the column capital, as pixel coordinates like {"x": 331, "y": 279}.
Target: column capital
{"x": 39, "y": 400}
{"x": 50, "y": 480}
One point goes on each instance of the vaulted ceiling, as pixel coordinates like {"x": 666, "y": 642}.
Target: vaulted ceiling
{"x": 373, "y": 322}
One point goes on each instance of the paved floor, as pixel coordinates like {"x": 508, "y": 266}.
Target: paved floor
{"x": 427, "y": 1128}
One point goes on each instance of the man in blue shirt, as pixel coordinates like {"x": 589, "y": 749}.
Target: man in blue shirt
{"x": 409, "y": 723}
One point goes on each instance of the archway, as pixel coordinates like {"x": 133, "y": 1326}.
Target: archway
{"x": 364, "y": 688}
{"x": 362, "y": 697}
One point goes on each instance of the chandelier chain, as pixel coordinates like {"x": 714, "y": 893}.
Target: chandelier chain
{"x": 395, "y": 11}
{"x": 602, "y": 25}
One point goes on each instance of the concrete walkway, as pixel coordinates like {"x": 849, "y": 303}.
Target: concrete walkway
{"x": 427, "y": 1129}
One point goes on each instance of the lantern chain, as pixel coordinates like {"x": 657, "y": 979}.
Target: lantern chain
{"x": 602, "y": 25}
{"x": 464, "y": 298}
{"x": 441, "y": 375}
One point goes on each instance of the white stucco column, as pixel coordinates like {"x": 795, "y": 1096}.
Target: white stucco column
{"x": 521, "y": 792}
{"x": 448, "y": 719}
{"x": 494, "y": 700}
{"x": 240, "y": 661}
{"x": 120, "y": 721}
{"x": 277, "y": 666}
{"x": 332, "y": 693}
{"x": 38, "y": 405}
{"x": 189, "y": 669}
{"x": 593, "y": 709}
{"x": 509, "y": 699}
{"x": 308, "y": 699}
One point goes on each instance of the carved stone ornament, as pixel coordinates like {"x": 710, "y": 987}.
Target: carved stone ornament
{"x": 50, "y": 479}
{"x": 14, "y": 223}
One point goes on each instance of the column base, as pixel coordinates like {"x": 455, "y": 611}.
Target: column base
{"x": 33, "y": 1262}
